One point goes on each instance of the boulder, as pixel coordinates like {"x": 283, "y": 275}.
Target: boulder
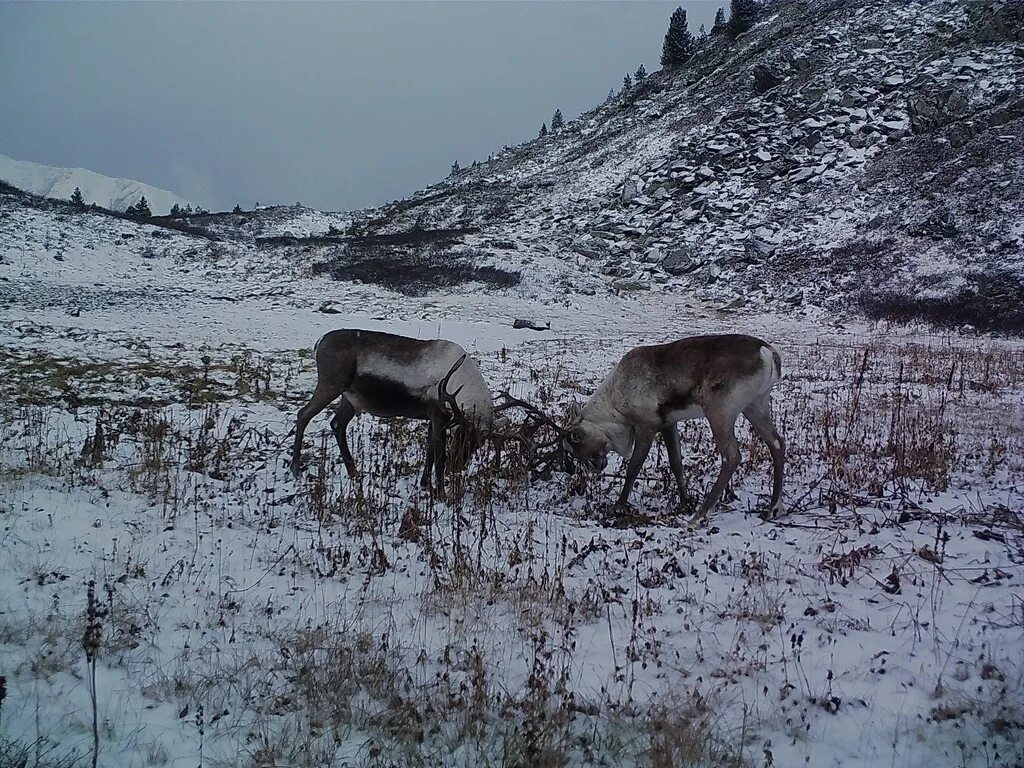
{"x": 765, "y": 78}
{"x": 933, "y": 109}
{"x": 680, "y": 262}
{"x": 758, "y": 249}
{"x": 533, "y": 325}
{"x": 631, "y": 284}
{"x": 801, "y": 175}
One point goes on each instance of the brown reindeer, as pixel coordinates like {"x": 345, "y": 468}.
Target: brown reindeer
{"x": 652, "y": 388}
{"x": 396, "y": 376}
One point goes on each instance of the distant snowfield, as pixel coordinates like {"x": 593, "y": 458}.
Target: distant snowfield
{"x": 107, "y": 192}
{"x": 250, "y": 619}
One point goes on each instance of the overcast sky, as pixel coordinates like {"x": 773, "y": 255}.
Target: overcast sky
{"x": 336, "y": 105}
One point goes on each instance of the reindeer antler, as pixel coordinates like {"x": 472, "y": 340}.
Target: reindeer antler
{"x": 514, "y": 402}
{"x": 456, "y": 414}
{"x": 545, "y": 455}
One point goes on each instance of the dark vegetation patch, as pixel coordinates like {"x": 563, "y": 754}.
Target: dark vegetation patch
{"x": 165, "y": 222}
{"x": 414, "y": 273}
{"x": 413, "y": 237}
{"x": 992, "y": 302}
{"x": 54, "y": 204}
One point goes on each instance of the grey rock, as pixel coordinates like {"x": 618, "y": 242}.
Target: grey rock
{"x": 631, "y": 285}
{"x": 758, "y": 249}
{"x": 934, "y": 109}
{"x": 533, "y": 325}
{"x": 680, "y": 262}
{"x": 1006, "y": 113}
{"x": 801, "y": 175}
{"x": 766, "y": 78}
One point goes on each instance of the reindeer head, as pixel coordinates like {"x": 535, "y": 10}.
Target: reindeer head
{"x": 465, "y": 431}
{"x": 585, "y": 440}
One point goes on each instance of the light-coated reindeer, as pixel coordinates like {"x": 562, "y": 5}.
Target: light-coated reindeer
{"x": 652, "y": 388}
{"x": 388, "y": 375}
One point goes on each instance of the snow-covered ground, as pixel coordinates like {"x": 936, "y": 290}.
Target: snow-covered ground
{"x": 245, "y": 618}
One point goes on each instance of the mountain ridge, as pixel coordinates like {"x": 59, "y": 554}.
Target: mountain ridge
{"x": 116, "y": 194}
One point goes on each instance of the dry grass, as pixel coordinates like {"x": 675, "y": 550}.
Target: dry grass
{"x": 867, "y": 425}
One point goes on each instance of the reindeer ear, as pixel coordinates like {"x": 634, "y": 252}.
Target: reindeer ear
{"x": 573, "y": 412}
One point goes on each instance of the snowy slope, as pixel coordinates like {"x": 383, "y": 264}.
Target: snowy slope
{"x": 252, "y": 619}
{"x": 823, "y": 157}
{"x": 107, "y": 192}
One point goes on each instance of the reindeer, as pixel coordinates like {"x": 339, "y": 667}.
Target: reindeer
{"x": 652, "y": 388}
{"x": 388, "y": 375}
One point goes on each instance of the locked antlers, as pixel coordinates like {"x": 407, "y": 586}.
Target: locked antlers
{"x": 543, "y": 455}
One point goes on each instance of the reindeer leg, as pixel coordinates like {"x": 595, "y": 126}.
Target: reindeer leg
{"x": 323, "y": 395}
{"x": 641, "y": 447}
{"x": 723, "y": 426}
{"x": 759, "y": 414}
{"x": 429, "y": 463}
{"x": 345, "y": 413}
{"x": 671, "y": 437}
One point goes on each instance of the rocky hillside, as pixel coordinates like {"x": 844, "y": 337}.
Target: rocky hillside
{"x": 839, "y": 153}
{"x": 839, "y": 156}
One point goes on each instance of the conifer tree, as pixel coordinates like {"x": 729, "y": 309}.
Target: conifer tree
{"x": 640, "y": 75}
{"x": 142, "y": 208}
{"x": 543, "y": 130}
{"x": 456, "y": 168}
{"x": 627, "y": 84}
{"x": 678, "y": 46}
{"x": 175, "y": 210}
{"x": 720, "y": 22}
{"x": 557, "y": 122}
{"x": 76, "y": 198}
{"x": 742, "y": 15}
{"x": 702, "y": 33}
{"x": 237, "y": 208}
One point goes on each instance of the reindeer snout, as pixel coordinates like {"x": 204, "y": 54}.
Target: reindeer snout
{"x": 597, "y": 462}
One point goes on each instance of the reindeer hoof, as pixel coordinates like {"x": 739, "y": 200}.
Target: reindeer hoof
{"x": 776, "y": 510}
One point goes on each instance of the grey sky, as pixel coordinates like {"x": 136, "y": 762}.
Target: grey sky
{"x": 337, "y": 105}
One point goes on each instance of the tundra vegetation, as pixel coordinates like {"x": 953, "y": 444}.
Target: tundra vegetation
{"x": 170, "y": 590}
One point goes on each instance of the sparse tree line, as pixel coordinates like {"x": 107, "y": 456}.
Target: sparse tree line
{"x": 141, "y": 209}
{"x": 678, "y": 48}
{"x": 177, "y": 210}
